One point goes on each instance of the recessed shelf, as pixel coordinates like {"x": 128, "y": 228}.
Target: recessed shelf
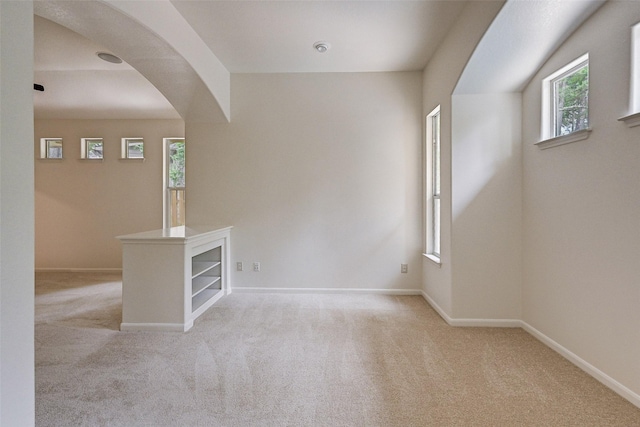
{"x": 205, "y": 275}
{"x": 200, "y": 283}
{"x": 203, "y": 297}
{"x": 199, "y": 267}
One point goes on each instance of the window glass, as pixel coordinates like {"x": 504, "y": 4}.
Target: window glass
{"x": 571, "y": 101}
{"x": 174, "y": 196}
{"x": 135, "y": 148}
{"x": 565, "y": 99}
{"x": 432, "y": 199}
{"x": 176, "y": 164}
{"x": 54, "y": 148}
{"x": 92, "y": 148}
{"x": 635, "y": 69}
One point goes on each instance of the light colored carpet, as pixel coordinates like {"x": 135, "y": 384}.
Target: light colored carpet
{"x": 298, "y": 360}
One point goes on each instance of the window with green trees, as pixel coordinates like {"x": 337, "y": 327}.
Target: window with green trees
{"x": 571, "y": 101}
{"x": 565, "y": 96}
{"x": 174, "y": 195}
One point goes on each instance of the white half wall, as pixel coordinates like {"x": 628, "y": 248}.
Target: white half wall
{"x": 82, "y": 205}
{"x": 320, "y": 175}
{"x": 17, "y": 387}
{"x": 582, "y": 209}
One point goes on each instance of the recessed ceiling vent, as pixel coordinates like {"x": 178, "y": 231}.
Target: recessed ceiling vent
{"x": 109, "y": 57}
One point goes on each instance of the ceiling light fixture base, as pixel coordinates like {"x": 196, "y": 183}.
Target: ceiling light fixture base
{"x": 321, "y": 47}
{"x": 109, "y": 57}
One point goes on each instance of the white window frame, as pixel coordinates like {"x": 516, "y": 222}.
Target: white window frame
{"x": 84, "y": 148}
{"x": 633, "y": 118}
{"x": 45, "y": 148}
{"x": 166, "y": 190}
{"x": 635, "y": 68}
{"x": 126, "y": 143}
{"x": 548, "y": 103}
{"x": 433, "y": 151}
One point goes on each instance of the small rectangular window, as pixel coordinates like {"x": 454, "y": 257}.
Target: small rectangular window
{"x": 566, "y": 99}
{"x": 51, "y": 148}
{"x": 132, "y": 148}
{"x": 92, "y": 148}
{"x": 433, "y": 204}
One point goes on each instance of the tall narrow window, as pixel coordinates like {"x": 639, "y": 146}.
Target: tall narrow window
{"x": 566, "y": 99}
{"x": 433, "y": 184}
{"x": 174, "y": 178}
{"x": 635, "y": 69}
{"x": 633, "y": 118}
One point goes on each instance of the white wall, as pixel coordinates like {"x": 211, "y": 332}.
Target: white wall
{"x": 320, "y": 174}
{"x": 486, "y": 206}
{"x": 17, "y": 390}
{"x": 81, "y": 205}
{"x": 440, "y": 77}
{"x": 582, "y": 210}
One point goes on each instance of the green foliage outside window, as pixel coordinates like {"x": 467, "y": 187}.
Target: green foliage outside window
{"x": 572, "y": 102}
{"x": 176, "y": 164}
{"x": 135, "y": 150}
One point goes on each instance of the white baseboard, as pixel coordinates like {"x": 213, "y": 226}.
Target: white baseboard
{"x": 78, "y": 270}
{"x": 156, "y": 327}
{"x": 596, "y": 373}
{"x": 476, "y": 323}
{"x": 240, "y": 289}
{"x": 436, "y": 307}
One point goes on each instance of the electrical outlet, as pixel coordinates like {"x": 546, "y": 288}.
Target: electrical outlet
{"x": 404, "y": 268}
{"x": 256, "y": 266}
{"x": 239, "y": 265}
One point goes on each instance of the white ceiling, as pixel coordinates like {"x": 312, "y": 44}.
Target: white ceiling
{"x": 247, "y": 37}
{"x": 278, "y": 36}
{"x": 521, "y": 38}
{"x": 79, "y": 85}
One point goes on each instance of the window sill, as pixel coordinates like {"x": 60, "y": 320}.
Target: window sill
{"x": 632, "y": 120}
{"x": 51, "y": 159}
{"x": 564, "y": 139}
{"x": 129, "y": 159}
{"x": 433, "y": 258}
